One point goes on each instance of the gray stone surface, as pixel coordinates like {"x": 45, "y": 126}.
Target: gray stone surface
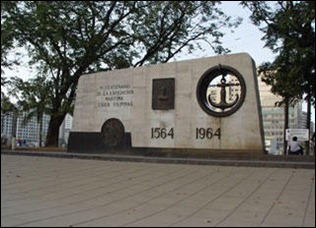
{"x": 126, "y": 94}
{"x": 50, "y": 191}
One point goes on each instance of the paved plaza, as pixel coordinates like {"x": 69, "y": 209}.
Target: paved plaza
{"x": 54, "y": 191}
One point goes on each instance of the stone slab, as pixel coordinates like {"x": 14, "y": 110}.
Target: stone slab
{"x": 127, "y": 95}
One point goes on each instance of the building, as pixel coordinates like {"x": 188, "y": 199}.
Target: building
{"x": 273, "y": 118}
{"x": 64, "y": 130}
{"x": 6, "y": 124}
{"x": 27, "y": 134}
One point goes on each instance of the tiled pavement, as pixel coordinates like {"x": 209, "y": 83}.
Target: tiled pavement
{"x": 50, "y": 191}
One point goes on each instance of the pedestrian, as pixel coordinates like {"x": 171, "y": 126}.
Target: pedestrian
{"x": 295, "y": 147}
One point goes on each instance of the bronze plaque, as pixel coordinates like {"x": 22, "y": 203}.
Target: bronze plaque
{"x": 112, "y": 132}
{"x": 163, "y": 94}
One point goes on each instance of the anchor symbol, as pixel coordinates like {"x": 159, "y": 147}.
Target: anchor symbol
{"x": 163, "y": 94}
{"x": 223, "y": 103}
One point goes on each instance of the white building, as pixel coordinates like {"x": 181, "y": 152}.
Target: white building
{"x": 6, "y": 124}
{"x": 28, "y": 134}
{"x": 30, "y": 131}
{"x": 273, "y": 118}
{"x": 64, "y": 130}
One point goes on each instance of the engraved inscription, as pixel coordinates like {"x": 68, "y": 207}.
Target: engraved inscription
{"x": 161, "y": 133}
{"x": 117, "y": 96}
{"x": 207, "y": 133}
{"x": 201, "y": 133}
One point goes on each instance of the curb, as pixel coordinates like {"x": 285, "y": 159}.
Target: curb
{"x": 168, "y": 160}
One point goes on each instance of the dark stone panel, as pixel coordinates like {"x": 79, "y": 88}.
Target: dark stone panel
{"x": 93, "y": 142}
{"x": 163, "y": 94}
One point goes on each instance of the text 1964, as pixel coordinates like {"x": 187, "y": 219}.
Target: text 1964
{"x": 207, "y": 133}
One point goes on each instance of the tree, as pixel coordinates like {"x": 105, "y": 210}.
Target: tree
{"x": 275, "y": 76}
{"x": 7, "y": 39}
{"x": 71, "y": 38}
{"x": 289, "y": 29}
{"x": 33, "y": 99}
{"x": 7, "y": 108}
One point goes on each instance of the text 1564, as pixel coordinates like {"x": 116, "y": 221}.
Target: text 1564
{"x": 158, "y": 132}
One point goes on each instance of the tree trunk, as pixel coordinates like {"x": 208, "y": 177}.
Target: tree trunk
{"x": 14, "y": 123}
{"x": 40, "y": 131}
{"x": 53, "y": 130}
{"x": 286, "y": 125}
{"x": 308, "y": 122}
{"x": 14, "y": 126}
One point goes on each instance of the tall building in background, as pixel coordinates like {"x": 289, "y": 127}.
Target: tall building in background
{"x": 6, "y": 124}
{"x": 273, "y": 118}
{"x": 27, "y": 134}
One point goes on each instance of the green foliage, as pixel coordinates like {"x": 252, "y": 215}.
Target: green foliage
{"x": 289, "y": 28}
{"x": 33, "y": 96}
{"x": 33, "y": 99}
{"x": 7, "y": 37}
{"x": 6, "y": 104}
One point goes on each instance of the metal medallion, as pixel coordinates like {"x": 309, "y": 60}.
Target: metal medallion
{"x": 113, "y": 132}
{"x": 221, "y": 91}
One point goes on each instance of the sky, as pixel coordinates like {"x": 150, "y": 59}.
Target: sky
{"x": 246, "y": 38}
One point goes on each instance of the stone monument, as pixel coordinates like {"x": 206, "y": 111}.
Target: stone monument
{"x": 207, "y": 104}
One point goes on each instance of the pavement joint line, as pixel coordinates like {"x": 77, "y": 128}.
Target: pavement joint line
{"x": 99, "y": 206}
{"x": 213, "y": 200}
{"x": 247, "y": 197}
{"x": 177, "y": 202}
{"x": 309, "y": 200}
{"x": 145, "y": 202}
{"x": 275, "y": 201}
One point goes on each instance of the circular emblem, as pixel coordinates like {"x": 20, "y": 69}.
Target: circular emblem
{"x": 113, "y": 132}
{"x": 221, "y": 91}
